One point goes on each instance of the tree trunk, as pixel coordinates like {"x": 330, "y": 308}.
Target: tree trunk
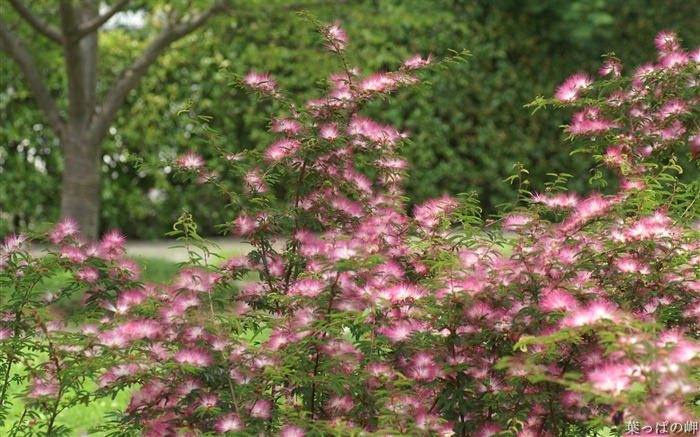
{"x": 86, "y": 123}
{"x": 82, "y": 195}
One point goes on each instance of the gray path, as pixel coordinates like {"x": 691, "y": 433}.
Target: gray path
{"x": 228, "y": 247}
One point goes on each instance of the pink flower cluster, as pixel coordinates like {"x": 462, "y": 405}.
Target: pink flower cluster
{"x": 353, "y": 315}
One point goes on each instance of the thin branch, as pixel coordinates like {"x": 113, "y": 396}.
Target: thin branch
{"x": 92, "y": 25}
{"x": 37, "y": 23}
{"x": 128, "y": 79}
{"x": 10, "y": 44}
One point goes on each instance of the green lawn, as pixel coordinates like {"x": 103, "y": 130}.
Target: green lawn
{"x": 83, "y": 417}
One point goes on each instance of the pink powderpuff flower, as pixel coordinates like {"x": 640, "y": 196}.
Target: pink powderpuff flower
{"x": 431, "y": 213}
{"x": 571, "y": 89}
{"x": 259, "y": 81}
{"x": 589, "y": 122}
{"x": 261, "y": 409}
{"x": 126, "y": 268}
{"x": 65, "y": 228}
{"x": 138, "y": 329}
{"x": 244, "y": 226}
{"x": 43, "y": 388}
{"x": 292, "y": 431}
{"x": 336, "y": 37}
{"x": 14, "y": 242}
{"x": 612, "y": 378}
{"x": 5, "y": 333}
{"x": 281, "y": 149}
{"x": 208, "y": 400}
{"x": 558, "y": 300}
{"x": 666, "y": 42}
{"x": 341, "y": 404}
{"x": 254, "y": 182}
{"x": 229, "y": 423}
{"x": 630, "y": 264}
{"x": 401, "y": 330}
{"x": 611, "y": 66}
{"x": 675, "y": 59}
{"x": 308, "y": 287}
{"x": 329, "y": 132}
{"x": 74, "y": 254}
{"x": 88, "y": 274}
{"x": 380, "y": 82}
{"x": 402, "y": 292}
{"x": 595, "y": 312}
{"x": 417, "y": 62}
{"x": 189, "y": 385}
{"x": 190, "y": 161}
{"x": 286, "y": 126}
{"x": 193, "y": 357}
{"x": 488, "y": 430}
{"x": 112, "y": 244}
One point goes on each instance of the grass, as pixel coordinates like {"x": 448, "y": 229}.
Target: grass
{"x": 81, "y": 418}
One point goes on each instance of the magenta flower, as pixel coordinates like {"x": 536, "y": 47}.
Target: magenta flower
{"x": 259, "y": 81}
{"x": 571, "y": 89}
{"x": 65, "y": 228}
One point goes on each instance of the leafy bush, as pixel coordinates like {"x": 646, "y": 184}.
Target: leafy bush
{"x": 570, "y": 314}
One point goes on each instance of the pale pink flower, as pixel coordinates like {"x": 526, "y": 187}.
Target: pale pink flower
{"x": 253, "y": 181}
{"x": 292, "y": 431}
{"x": 342, "y": 404}
{"x": 13, "y": 242}
{"x": 380, "y": 82}
{"x": 244, "y": 226}
{"x": 190, "y": 161}
{"x": 261, "y": 409}
{"x": 193, "y": 357}
{"x": 74, "y": 254}
{"x": 138, "y": 329}
{"x": 595, "y": 312}
{"x": 287, "y": 126}
{"x": 329, "y": 132}
{"x": 558, "y": 300}
{"x": 65, "y": 228}
{"x": 612, "y": 378}
{"x": 188, "y": 386}
{"x": 87, "y": 274}
{"x": 417, "y": 62}
{"x": 208, "y": 400}
{"x": 229, "y": 423}
{"x": 43, "y": 387}
{"x": 336, "y": 37}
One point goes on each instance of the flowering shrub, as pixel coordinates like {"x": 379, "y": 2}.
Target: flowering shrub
{"x": 351, "y": 316}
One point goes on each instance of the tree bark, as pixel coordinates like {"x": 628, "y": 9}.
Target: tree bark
{"x": 81, "y": 183}
{"x": 84, "y": 127}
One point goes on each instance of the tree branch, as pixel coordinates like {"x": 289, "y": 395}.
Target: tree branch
{"x": 130, "y": 77}
{"x": 10, "y": 44}
{"x": 94, "y": 24}
{"x": 37, "y": 23}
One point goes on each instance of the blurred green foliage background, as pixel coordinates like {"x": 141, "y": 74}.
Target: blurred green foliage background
{"x": 468, "y": 128}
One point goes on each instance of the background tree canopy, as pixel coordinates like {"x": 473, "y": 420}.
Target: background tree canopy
{"x": 469, "y": 128}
